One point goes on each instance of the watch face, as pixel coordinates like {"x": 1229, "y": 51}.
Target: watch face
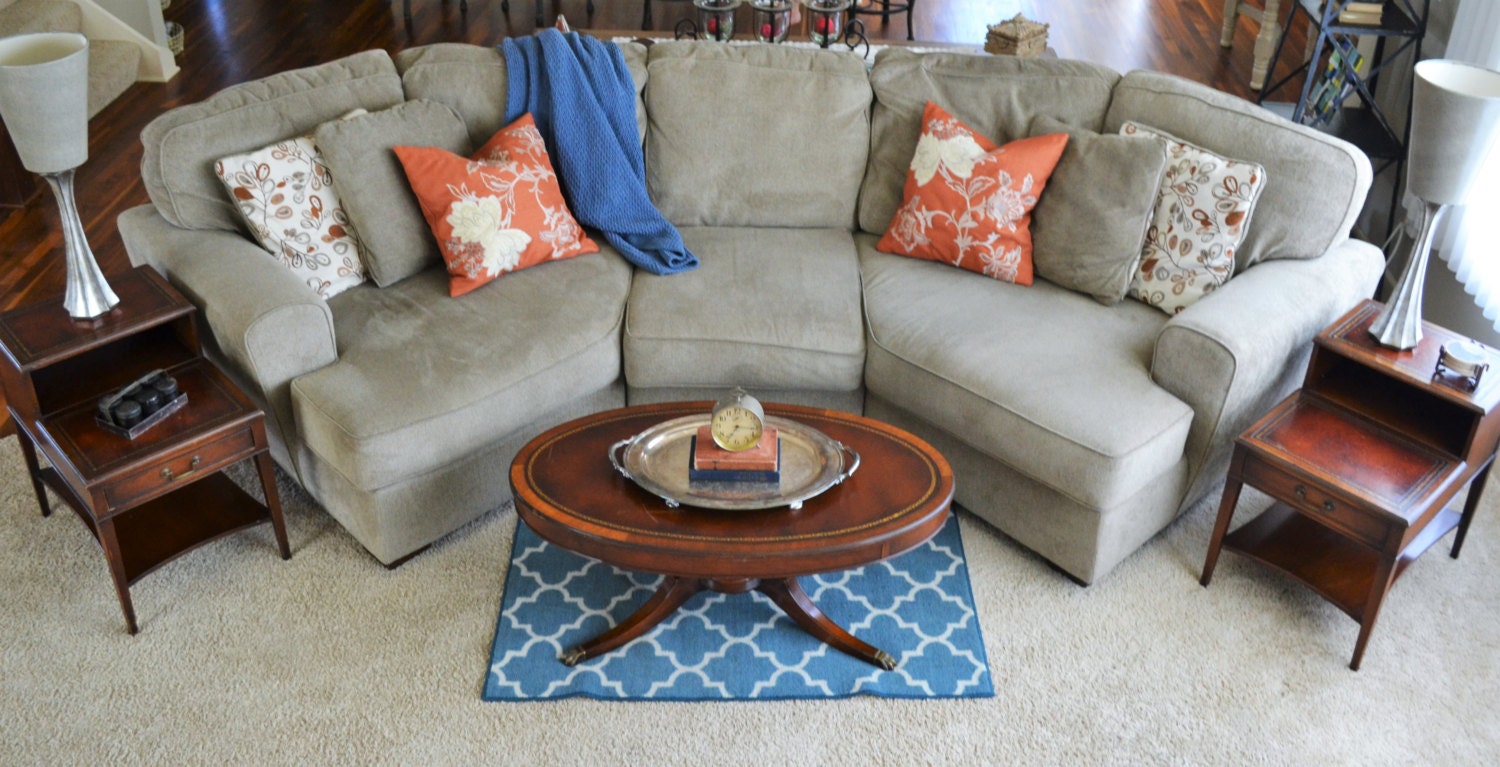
{"x": 736, "y": 428}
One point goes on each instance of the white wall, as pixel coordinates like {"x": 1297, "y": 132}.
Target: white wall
{"x": 144, "y": 16}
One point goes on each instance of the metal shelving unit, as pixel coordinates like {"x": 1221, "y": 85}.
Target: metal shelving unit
{"x": 1402, "y": 26}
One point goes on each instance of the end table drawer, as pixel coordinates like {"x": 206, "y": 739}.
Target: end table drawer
{"x": 1313, "y": 500}
{"x": 179, "y": 468}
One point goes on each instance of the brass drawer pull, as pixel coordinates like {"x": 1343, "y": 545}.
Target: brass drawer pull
{"x": 1328, "y": 505}
{"x": 1301, "y": 492}
{"x": 166, "y": 471}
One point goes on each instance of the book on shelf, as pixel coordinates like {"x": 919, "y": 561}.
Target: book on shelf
{"x": 1361, "y": 19}
{"x": 1360, "y": 13}
{"x": 1333, "y": 86}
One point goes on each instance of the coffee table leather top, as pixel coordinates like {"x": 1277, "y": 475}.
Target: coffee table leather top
{"x": 568, "y": 492}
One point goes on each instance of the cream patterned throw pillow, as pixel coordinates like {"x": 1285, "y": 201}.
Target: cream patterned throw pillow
{"x": 1202, "y": 212}
{"x": 286, "y": 195}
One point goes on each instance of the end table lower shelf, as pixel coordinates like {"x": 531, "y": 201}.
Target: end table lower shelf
{"x": 167, "y": 527}
{"x": 1338, "y": 568}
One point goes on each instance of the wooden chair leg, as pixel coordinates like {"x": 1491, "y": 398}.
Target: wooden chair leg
{"x": 1265, "y": 43}
{"x": 1231, "y": 15}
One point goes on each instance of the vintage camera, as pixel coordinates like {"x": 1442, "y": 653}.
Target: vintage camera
{"x": 137, "y": 407}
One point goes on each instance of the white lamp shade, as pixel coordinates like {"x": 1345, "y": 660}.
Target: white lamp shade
{"x": 1455, "y": 117}
{"x": 44, "y": 94}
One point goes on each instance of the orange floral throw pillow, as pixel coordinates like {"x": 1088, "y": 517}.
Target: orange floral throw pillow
{"x": 967, "y": 202}
{"x": 499, "y": 211}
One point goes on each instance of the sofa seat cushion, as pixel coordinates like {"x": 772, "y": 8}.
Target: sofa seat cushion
{"x": 767, "y": 308}
{"x": 1043, "y": 379}
{"x": 423, "y": 379}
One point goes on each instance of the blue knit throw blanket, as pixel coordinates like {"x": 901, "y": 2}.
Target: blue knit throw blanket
{"x": 580, "y": 93}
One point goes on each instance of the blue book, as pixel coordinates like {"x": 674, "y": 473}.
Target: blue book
{"x": 732, "y": 475}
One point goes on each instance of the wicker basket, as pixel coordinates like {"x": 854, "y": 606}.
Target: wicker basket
{"x": 1018, "y": 37}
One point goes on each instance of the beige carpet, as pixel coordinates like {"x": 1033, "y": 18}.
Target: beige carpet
{"x": 330, "y": 659}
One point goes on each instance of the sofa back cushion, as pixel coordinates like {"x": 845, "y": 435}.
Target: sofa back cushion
{"x": 995, "y": 95}
{"x": 1315, "y": 184}
{"x": 472, "y": 80}
{"x": 763, "y": 135}
{"x": 182, "y": 144}
{"x": 374, "y": 189}
{"x": 1089, "y": 226}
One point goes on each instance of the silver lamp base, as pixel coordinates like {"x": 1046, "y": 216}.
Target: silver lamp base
{"x": 1399, "y": 325}
{"x": 88, "y": 295}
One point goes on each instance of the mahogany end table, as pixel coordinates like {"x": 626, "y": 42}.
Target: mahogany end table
{"x": 1363, "y": 461}
{"x": 161, "y": 495}
{"x": 568, "y": 492}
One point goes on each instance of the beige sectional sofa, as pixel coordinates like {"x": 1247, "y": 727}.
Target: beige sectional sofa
{"x": 1077, "y": 428}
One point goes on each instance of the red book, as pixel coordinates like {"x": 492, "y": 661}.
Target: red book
{"x": 708, "y": 456}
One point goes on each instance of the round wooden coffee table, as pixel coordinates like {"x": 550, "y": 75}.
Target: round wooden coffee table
{"x": 567, "y": 491}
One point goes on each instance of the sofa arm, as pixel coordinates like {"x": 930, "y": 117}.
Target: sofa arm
{"x": 267, "y": 325}
{"x": 1237, "y": 352}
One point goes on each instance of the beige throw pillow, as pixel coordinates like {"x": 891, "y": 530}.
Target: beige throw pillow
{"x": 285, "y": 194}
{"x": 398, "y": 243}
{"x": 1201, "y": 218}
{"x": 1089, "y": 226}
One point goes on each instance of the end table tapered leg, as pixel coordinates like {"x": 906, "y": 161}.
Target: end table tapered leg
{"x": 28, "y": 451}
{"x": 1471, "y": 502}
{"x": 111, "y": 545}
{"x": 267, "y": 472}
{"x": 670, "y": 595}
{"x": 1380, "y": 584}
{"x": 789, "y": 596}
{"x": 1221, "y": 527}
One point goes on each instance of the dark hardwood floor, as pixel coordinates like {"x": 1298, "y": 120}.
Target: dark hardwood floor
{"x": 230, "y": 41}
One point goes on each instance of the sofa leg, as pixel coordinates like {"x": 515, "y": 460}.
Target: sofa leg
{"x": 1065, "y": 573}
{"x": 403, "y": 560}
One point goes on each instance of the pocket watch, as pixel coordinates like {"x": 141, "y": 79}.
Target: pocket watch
{"x": 738, "y": 420}
{"x": 1466, "y": 359}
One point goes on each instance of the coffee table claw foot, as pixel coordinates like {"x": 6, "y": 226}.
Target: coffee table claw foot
{"x": 787, "y": 593}
{"x": 670, "y": 595}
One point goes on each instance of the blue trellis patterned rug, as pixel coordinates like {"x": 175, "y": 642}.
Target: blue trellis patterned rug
{"x": 918, "y": 607}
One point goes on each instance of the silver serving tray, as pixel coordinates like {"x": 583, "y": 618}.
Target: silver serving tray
{"x": 657, "y": 460}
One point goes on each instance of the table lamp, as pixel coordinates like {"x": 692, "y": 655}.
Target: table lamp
{"x": 44, "y": 81}
{"x": 1455, "y": 117}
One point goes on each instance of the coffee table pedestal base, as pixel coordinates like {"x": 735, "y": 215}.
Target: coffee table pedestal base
{"x": 673, "y": 593}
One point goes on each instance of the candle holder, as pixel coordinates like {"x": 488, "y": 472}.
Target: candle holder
{"x": 771, "y": 19}
{"x": 827, "y": 19}
{"x": 715, "y": 21}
